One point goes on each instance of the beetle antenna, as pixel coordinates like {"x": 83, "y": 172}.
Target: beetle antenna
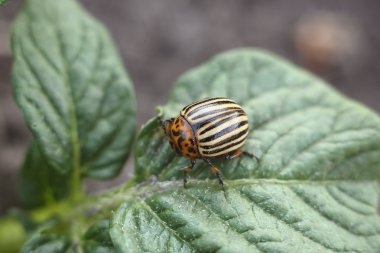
{"x": 160, "y": 121}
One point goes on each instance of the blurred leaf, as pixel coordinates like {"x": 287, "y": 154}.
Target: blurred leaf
{"x": 54, "y": 238}
{"x": 3, "y": 2}
{"x": 300, "y": 128}
{"x": 46, "y": 243}
{"x": 71, "y": 86}
{"x": 39, "y": 183}
{"x": 12, "y": 234}
{"x": 97, "y": 238}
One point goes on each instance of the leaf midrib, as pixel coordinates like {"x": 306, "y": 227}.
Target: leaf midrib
{"x": 162, "y": 186}
{"x": 76, "y": 192}
{"x": 73, "y": 125}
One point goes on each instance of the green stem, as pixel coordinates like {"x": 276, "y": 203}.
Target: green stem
{"x": 78, "y": 215}
{"x": 76, "y": 187}
{"x": 72, "y": 211}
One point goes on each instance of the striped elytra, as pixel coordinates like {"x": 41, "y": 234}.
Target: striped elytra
{"x": 210, "y": 128}
{"x": 220, "y": 126}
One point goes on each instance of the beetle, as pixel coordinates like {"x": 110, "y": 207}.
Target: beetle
{"x": 207, "y": 129}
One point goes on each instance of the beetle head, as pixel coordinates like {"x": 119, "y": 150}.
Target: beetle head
{"x": 166, "y": 126}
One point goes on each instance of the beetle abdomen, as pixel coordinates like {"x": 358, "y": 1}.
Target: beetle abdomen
{"x": 219, "y": 124}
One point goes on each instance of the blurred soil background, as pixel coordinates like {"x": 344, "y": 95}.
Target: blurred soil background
{"x": 159, "y": 40}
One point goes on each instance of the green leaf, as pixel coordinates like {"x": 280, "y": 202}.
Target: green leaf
{"x": 71, "y": 86}
{"x": 97, "y": 239}
{"x": 300, "y": 127}
{"x": 314, "y": 188}
{"x": 251, "y": 216}
{"x": 52, "y": 238}
{"x": 2, "y": 2}
{"x": 39, "y": 183}
{"x": 47, "y": 243}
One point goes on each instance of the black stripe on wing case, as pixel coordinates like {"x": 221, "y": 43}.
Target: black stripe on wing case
{"x": 227, "y": 140}
{"x": 224, "y": 131}
{"x": 215, "y": 111}
{"x": 188, "y": 107}
{"x": 220, "y": 122}
{"x": 191, "y": 112}
{"x": 229, "y": 111}
{"x": 224, "y": 148}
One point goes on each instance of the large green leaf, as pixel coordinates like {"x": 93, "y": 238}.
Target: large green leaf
{"x": 71, "y": 86}
{"x": 300, "y": 127}
{"x": 314, "y": 188}
{"x": 251, "y": 216}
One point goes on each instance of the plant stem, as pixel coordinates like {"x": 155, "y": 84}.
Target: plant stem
{"x": 79, "y": 215}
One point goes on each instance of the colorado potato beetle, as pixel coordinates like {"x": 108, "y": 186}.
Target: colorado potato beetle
{"x": 210, "y": 128}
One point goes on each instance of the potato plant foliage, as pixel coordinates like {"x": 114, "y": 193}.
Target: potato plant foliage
{"x": 314, "y": 189}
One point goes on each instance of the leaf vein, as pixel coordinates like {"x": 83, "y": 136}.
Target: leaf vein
{"x": 33, "y": 104}
{"x": 337, "y": 199}
{"x": 228, "y": 224}
{"x": 45, "y": 57}
{"x": 164, "y": 224}
{"x": 87, "y": 82}
{"x": 44, "y": 91}
{"x": 326, "y": 216}
{"x": 280, "y": 218}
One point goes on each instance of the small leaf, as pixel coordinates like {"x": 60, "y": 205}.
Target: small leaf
{"x": 71, "y": 86}
{"x": 39, "y": 183}
{"x": 251, "y": 216}
{"x": 97, "y": 239}
{"x": 47, "y": 243}
{"x": 3, "y": 2}
{"x": 49, "y": 239}
{"x": 300, "y": 127}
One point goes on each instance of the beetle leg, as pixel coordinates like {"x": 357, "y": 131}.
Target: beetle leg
{"x": 250, "y": 155}
{"x": 186, "y": 171}
{"x": 233, "y": 155}
{"x": 240, "y": 152}
{"x": 216, "y": 172}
